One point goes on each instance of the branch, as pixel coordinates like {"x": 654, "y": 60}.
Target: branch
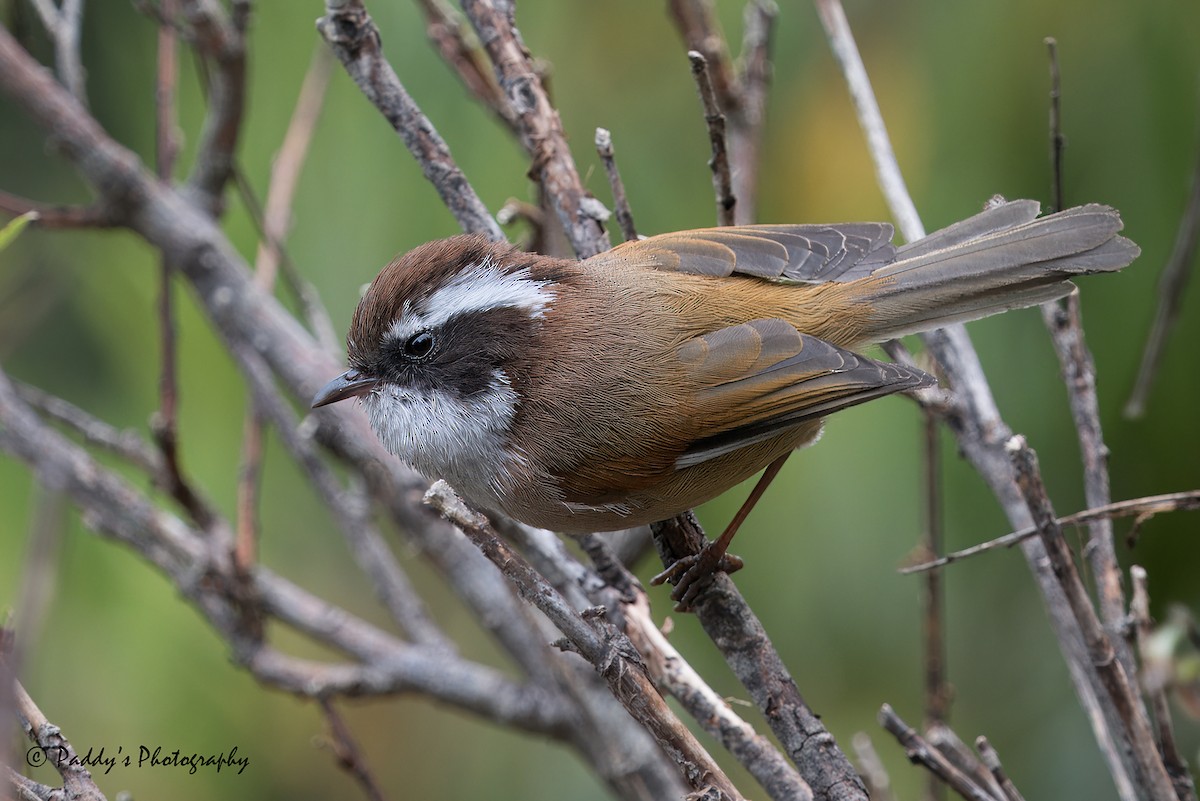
{"x": 539, "y": 127}
{"x": 1064, "y": 321}
{"x": 604, "y": 148}
{"x": 740, "y": 89}
{"x": 715, "y": 120}
{"x": 221, "y": 38}
{"x": 975, "y": 420}
{"x": 1171, "y": 286}
{"x": 1155, "y": 691}
{"x": 672, "y": 673}
{"x": 355, "y": 40}
{"x": 1141, "y": 508}
{"x": 739, "y": 635}
{"x": 64, "y": 24}
{"x": 57, "y": 750}
{"x": 920, "y": 752}
{"x": 444, "y": 29}
{"x": 608, "y": 651}
{"x": 1153, "y": 777}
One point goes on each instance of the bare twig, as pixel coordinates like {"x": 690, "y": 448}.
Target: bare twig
{"x": 992, "y": 760}
{"x": 937, "y": 689}
{"x": 871, "y": 767}
{"x": 355, "y": 40}
{"x": 539, "y": 127}
{"x": 125, "y": 443}
{"x": 1064, "y": 321}
{"x": 715, "y": 120}
{"x": 1171, "y": 286}
{"x": 1153, "y": 778}
{"x": 349, "y": 755}
{"x": 740, "y": 90}
{"x": 604, "y": 147}
{"x": 920, "y": 752}
{"x": 1164, "y": 730}
{"x": 54, "y": 216}
{"x": 64, "y": 24}
{"x": 1057, "y": 141}
{"x": 948, "y": 744}
{"x": 1141, "y": 508}
{"x": 737, "y": 632}
{"x": 975, "y": 420}
{"x": 220, "y": 37}
{"x": 276, "y": 219}
{"x": 444, "y": 29}
{"x": 887, "y": 170}
{"x": 164, "y": 423}
{"x": 289, "y": 161}
{"x": 610, "y": 652}
{"x": 672, "y": 673}
{"x": 77, "y": 781}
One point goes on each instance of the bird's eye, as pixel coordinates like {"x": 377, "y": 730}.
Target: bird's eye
{"x": 418, "y": 345}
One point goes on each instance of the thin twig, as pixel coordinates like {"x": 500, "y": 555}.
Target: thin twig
{"x": 1171, "y": 287}
{"x": 64, "y": 25}
{"x": 873, "y": 771}
{"x": 1142, "y": 508}
{"x": 220, "y": 37}
{"x": 1064, "y": 321}
{"x": 672, "y": 673}
{"x": 737, "y": 632}
{"x": 609, "y": 651}
{"x": 937, "y": 690}
{"x": 948, "y": 744}
{"x": 99, "y": 215}
{"x": 740, "y": 89}
{"x": 164, "y": 423}
{"x": 715, "y": 120}
{"x": 1057, "y": 141}
{"x": 887, "y": 170}
{"x": 604, "y": 147}
{"x": 77, "y": 781}
{"x": 975, "y": 420}
{"x": 349, "y": 756}
{"x": 125, "y": 443}
{"x": 276, "y": 219}
{"x": 920, "y": 752}
{"x": 992, "y": 760}
{"x": 444, "y": 29}
{"x": 539, "y": 127}
{"x": 1155, "y": 692}
{"x": 1153, "y": 780}
{"x": 355, "y": 40}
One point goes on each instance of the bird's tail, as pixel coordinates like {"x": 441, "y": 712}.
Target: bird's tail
{"x": 1003, "y": 258}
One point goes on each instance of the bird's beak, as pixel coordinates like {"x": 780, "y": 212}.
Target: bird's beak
{"x": 350, "y": 384}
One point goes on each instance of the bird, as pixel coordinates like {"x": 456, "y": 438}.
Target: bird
{"x": 626, "y": 388}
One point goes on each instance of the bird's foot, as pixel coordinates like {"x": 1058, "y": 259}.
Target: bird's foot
{"x": 692, "y": 573}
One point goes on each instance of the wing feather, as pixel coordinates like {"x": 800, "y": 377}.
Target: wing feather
{"x": 764, "y": 376}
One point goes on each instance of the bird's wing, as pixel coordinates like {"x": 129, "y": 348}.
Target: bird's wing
{"x": 759, "y": 378}
{"x": 803, "y": 253}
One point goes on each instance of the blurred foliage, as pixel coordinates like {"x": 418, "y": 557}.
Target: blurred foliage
{"x": 123, "y": 661}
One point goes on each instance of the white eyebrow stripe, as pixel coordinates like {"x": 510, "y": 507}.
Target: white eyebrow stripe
{"x": 476, "y": 288}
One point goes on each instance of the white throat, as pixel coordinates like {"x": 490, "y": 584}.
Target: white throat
{"x": 458, "y": 439}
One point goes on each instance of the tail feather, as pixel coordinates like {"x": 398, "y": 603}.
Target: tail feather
{"x": 1004, "y": 258}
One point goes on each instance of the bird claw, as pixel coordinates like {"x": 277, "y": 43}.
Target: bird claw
{"x": 692, "y": 573}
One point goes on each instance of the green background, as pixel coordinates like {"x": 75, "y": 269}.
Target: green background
{"x": 122, "y": 660}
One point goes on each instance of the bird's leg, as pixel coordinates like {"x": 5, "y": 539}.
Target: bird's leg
{"x": 690, "y": 571}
